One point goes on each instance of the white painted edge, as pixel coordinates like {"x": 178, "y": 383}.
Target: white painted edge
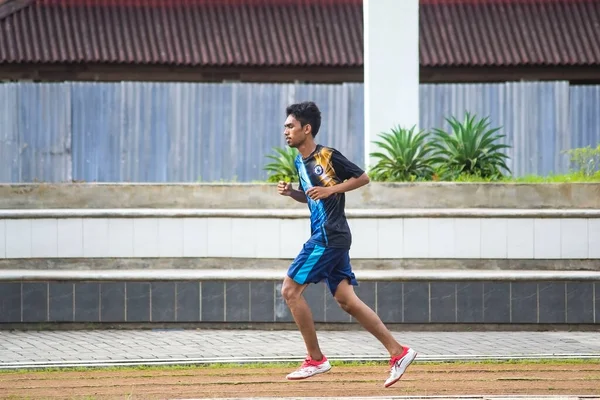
{"x": 287, "y": 358}
{"x": 269, "y": 274}
{"x": 276, "y": 359}
{"x": 298, "y": 213}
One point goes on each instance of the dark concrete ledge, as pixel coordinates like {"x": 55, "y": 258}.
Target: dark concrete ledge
{"x": 200, "y": 263}
{"x": 539, "y": 299}
{"x": 264, "y": 196}
{"x": 291, "y": 326}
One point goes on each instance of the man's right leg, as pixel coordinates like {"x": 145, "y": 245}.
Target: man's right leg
{"x": 292, "y": 294}
{"x": 306, "y": 268}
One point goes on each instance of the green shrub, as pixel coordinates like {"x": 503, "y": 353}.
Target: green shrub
{"x": 282, "y": 168}
{"x": 470, "y": 149}
{"x": 405, "y": 156}
{"x": 585, "y": 159}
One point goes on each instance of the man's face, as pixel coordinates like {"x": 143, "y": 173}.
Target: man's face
{"x": 295, "y": 133}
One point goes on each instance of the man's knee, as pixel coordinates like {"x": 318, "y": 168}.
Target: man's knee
{"x": 347, "y": 302}
{"x": 346, "y": 297}
{"x": 290, "y": 290}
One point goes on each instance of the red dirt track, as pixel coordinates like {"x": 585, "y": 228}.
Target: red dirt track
{"x": 201, "y": 382}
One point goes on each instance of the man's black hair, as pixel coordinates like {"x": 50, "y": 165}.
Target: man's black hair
{"x": 306, "y": 113}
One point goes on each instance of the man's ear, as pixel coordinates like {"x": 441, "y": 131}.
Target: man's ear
{"x": 307, "y": 129}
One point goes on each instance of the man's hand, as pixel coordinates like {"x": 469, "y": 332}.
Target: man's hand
{"x": 319, "y": 192}
{"x": 284, "y": 188}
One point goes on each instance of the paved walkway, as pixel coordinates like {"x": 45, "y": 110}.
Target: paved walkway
{"x": 118, "y": 347}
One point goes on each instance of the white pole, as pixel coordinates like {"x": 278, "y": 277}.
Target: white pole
{"x": 391, "y": 67}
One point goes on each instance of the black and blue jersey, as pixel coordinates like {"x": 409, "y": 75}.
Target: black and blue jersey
{"x": 326, "y": 166}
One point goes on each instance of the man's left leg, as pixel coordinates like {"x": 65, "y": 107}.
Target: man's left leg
{"x": 353, "y": 305}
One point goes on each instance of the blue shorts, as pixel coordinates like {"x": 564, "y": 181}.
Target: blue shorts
{"x": 316, "y": 263}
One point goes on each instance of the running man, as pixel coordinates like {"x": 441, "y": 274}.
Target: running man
{"x": 325, "y": 175}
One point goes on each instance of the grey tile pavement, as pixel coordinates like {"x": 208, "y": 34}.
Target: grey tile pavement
{"x": 200, "y": 346}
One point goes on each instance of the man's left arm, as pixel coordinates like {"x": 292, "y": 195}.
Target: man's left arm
{"x": 352, "y": 177}
{"x": 351, "y": 184}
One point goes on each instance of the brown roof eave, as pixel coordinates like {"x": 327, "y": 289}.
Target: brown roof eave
{"x": 8, "y": 7}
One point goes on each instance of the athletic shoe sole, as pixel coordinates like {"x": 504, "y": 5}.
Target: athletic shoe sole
{"x": 404, "y": 363}
{"x": 317, "y": 372}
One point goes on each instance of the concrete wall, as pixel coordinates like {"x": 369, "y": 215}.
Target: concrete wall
{"x": 264, "y": 196}
{"x": 483, "y": 254}
{"x": 279, "y": 234}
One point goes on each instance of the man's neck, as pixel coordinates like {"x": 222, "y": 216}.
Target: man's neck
{"x": 306, "y": 148}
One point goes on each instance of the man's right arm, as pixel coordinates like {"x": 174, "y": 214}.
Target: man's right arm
{"x": 286, "y": 189}
{"x": 298, "y": 195}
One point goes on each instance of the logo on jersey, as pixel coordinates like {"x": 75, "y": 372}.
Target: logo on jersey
{"x": 318, "y": 169}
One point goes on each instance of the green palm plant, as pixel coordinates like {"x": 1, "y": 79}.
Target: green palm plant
{"x": 407, "y": 156}
{"x": 471, "y": 148}
{"x": 283, "y": 167}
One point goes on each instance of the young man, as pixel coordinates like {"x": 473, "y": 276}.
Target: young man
{"x": 325, "y": 175}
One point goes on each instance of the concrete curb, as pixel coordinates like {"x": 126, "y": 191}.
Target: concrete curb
{"x": 298, "y": 214}
{"x": 281, "y": 263}
{"x": 261, "y": 275}
{"x": 281, "y": 359}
